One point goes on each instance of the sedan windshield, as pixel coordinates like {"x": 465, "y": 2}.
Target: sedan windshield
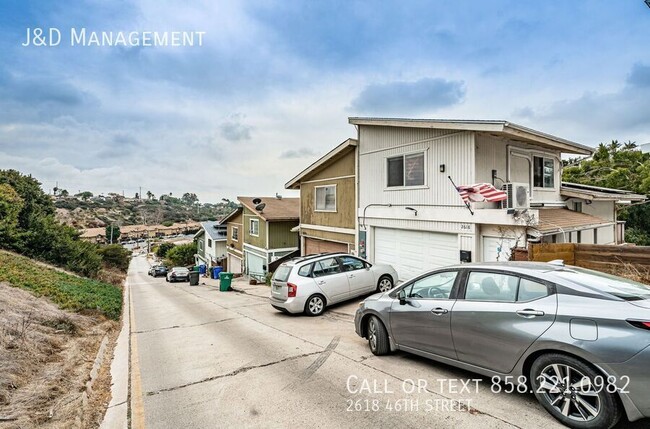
{"x": 619, "y": 287}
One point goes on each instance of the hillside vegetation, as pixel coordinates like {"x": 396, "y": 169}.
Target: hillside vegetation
{"x": 94, "y": 212}
{"x": 68, "y": 291}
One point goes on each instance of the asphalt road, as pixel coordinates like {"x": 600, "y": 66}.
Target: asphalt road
{"x": 201, "y": 358}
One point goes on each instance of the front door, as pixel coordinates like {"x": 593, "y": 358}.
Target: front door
{"x": 500, "y": 316}
{"x": 331, "y": 279}
{"x": 423, "y": 323}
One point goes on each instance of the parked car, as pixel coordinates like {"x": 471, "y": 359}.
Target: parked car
{"x": 579, "y": 339}
{"x": 309, "y": 284}
{"x": 178, "y": 274}
{"x": 158, "y": 270}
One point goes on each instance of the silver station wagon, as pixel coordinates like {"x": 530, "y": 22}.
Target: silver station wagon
{"x": 311, "y": 283}
{"x": 578, "y": 339}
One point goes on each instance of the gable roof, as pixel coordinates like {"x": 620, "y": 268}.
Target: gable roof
{"x": 230, "y": 215}
{"x": 598, "y": 193}
{"x": 330, "y": 156}
{"x": 498, "y": 128}
{"x": 276, "y": 209}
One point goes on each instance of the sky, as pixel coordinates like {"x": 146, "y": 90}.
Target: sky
{"x": 273, "y": 84}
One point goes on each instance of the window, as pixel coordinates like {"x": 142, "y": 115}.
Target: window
{"x": 351, "y": 264}
{"x": 209, "y": 243}
{"x": 235, "y": 233}
{"x": 577, "y": 206}
{"x": 491, "y": 287}
{"x": 326, "y": 198}
{"x": 254, "y": 227}
{"x": 305, "y": 270}
{"x": 530, "y": 290}
{"x": 543, "y": 172}
{"x": 405, "y": 170}
{"x": 282, "y": 273}
{"x": 435, "y": 286}
{"x": 326, "y": 267}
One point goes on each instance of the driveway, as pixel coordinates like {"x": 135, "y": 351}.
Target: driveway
{"x": 202, "y": 358}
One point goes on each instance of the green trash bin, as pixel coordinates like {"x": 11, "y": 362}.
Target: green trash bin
{"x": 194, "y": 278}
{"x": 225, "y": 279}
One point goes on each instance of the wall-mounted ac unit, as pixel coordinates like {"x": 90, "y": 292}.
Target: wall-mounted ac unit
{"x": 518, "y": 196}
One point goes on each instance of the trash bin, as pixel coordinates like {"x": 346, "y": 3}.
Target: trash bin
{"x": 224, "y": 281}
{"x": 216, "y": 271}
{"x": 194, "y": 278}
{"x": 202, "y": 269}
{"x": 195, "y": 268}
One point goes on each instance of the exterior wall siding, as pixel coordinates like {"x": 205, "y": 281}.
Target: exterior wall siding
{"x": 453, "y": 149}
{"x": 280, "y": 235}
{"x": 344, "y": 217}
{"x": 236, "y": 222}
{"x": 260, "y": 240}
{"x": 327, "y": 235}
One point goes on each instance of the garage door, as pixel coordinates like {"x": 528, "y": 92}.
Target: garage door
{"x": 497, "y": 249}
{"x": 234, "y": 264}
{"x": 313, "y": 246}
{"x": 254, "y": 264}
{"x": 412, "y": 252}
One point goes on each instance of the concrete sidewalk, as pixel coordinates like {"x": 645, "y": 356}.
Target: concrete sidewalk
{"x": 239, "y": 284}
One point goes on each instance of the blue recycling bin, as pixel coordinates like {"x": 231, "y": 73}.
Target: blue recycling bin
{"x": 216, "y": 271}
{"x": 202, "y": 269}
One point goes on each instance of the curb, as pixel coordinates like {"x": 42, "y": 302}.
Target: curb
{"x": 97, "y": 364}
{"x": 116, "y": 415}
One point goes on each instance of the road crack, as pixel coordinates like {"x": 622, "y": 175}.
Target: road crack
{"x": 184, "y": 326}
{"x": 238, "y": 371}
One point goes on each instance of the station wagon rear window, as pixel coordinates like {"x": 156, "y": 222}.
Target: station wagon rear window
{"x": 619, "y": 287}
{"x": 282, "y": 273}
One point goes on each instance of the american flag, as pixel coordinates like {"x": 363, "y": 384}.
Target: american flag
{"x": 481, "y": 192}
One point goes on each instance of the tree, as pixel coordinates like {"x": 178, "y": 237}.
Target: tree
{"x": 115, "y": 256}
{"x": 112, "y": 233}
{"x": 164, "y": 248}
{"x": 150, "y": 195}
{"x": 182, "y": 255}
{"x": 189, "y": 198}
{"x": 137, "y": 196}
{"x": 64, "y": 193}
{"x": 85, "y": 195}
{"x": 10, "y": 206}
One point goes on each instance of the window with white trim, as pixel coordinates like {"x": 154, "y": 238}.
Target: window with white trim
{"x": 326, "y": 198}
{"x": 254, "y": 227}
{"x": 234, "y": 234}
{"x": 405, "y": 170}
{"x": 543, "y": 172}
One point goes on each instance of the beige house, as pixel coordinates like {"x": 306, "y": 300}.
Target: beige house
{"x": 328, "y": 201}
{"x": 268, "y": 233}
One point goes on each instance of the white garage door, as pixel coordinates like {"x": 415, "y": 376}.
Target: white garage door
{"x": 413, "y": 252}
{"x": 497, "y": 249}
{"x": 254, "y": 264}
{"x": 234, "y": 264}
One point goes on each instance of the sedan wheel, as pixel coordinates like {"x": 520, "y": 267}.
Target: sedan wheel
{"x": 574, "y": 393}
{"x": 315, "y": 306}
{"x": 377, "y": 337}
{"x": 385, "y": 284}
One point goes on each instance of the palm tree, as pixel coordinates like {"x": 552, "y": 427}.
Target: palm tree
{"x": 149, "y": 195}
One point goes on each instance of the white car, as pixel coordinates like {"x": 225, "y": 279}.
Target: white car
{"x": 309, "y": 284}
{"x": 178, "y": 274}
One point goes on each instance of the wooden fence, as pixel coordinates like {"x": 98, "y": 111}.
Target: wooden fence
{"x": 607, "y": 258}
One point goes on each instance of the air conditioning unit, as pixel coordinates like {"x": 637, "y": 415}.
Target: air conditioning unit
{"x": 518, "y": 196}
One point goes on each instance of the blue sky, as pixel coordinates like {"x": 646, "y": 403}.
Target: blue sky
{"x": 272, "y": 86}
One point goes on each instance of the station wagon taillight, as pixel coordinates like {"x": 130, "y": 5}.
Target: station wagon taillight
{"x": 292, "y": 290}
{"x": 639, "y": 324}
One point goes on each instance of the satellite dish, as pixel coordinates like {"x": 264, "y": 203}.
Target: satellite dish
{"x": 260, "y": 207}
{"x": 257, "y": 200}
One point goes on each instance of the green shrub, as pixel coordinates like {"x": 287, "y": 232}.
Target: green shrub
{"x": 182, "y": 255}
{"x": 163, "y": 249}
{"x": 115, "y": 256}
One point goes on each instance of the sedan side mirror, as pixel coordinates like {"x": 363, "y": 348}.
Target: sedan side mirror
{"x": 401, "y": 295}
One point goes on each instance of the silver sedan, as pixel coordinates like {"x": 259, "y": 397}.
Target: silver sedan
{"x": 578, "y": 339}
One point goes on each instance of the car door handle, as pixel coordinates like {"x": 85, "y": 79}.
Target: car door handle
{"x": 439, "y": 311}
{"x": 351, "y": 276}
{"x": 320, "y": 283}
{"x": 529, "y": 312}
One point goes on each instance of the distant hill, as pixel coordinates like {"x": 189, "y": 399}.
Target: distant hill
{"x": 98, "y": 212}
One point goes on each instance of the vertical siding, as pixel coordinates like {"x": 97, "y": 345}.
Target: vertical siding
{"x": 236, "y": 222}
{"x": 259, "y": 241}
{"x": 456, "y": 151}
{"x": 280, "y": 235}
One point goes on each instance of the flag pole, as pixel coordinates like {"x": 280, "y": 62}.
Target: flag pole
{"x": 466, "y": 202}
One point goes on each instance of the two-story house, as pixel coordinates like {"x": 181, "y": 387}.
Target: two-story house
{"x": 211, "y": 244}
{"x": 410, "y": 214}
{"x": 234, "y": 223}
{"x": 269, "y": 231}
{"x": 328, "y": 201}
